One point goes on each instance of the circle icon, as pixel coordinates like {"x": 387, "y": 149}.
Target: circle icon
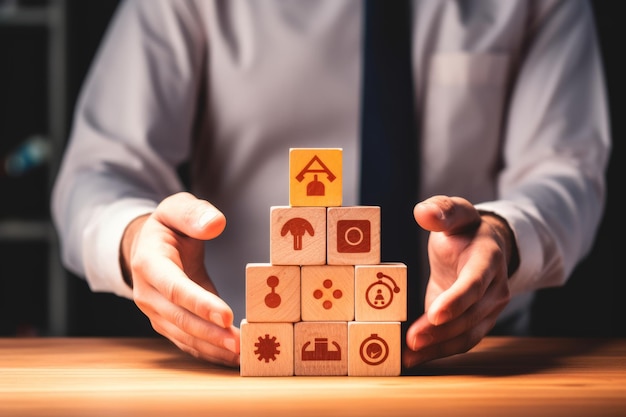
{"x": 374, "y": 350}
{"x": 353, "y": 236}
{"x": 379, "y": 294}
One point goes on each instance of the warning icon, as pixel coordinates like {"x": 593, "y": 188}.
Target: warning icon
{"x": 316, "y": 177}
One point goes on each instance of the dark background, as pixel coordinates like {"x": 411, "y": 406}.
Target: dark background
{"x": 590, "y": 304}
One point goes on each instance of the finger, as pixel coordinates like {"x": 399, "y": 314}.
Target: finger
{"x": 205, "y": 282}
{"x": 193, "y": 335}
{"x": 422, "y": 333}
{"x": 476, "y": 276}
{"x": 194, "y": 267}
{"x": 194, "y": 327}
{"x": 450, "y": 215}
{"x": 196, "y": 347}
{"x": 170, "y": 282}
{"x": 469, "y": 287}
{"x": 191, "y": 216}
{"x": 419, "y": 334}
{"x": 459, "y": 344}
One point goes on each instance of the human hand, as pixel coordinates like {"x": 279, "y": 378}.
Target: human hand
{"x": 163, "y": 255}
{"x": 468, "y": 285}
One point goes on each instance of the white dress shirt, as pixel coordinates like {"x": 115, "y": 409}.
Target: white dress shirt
{"x": 510, "y": 97}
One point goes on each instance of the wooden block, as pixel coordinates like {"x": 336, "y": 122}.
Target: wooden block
{"x": 266, "y": 349}
{"x": 272, "y": 293}
{"x": 380, "y": 292}
{"x": 374, "y": 348}
{"x": 353, "y": 235}
{"x": 298, "y": 235}
{"x": 315, "y": 177}
{"x": 321, "y": 348}
{"x": 327, "y": 292}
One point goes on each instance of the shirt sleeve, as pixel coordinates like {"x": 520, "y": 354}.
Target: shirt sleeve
{"x": 552, "y": 189}
{"x": 132, "y": 128}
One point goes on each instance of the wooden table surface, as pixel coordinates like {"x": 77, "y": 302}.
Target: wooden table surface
{"x": 150, "y": 377}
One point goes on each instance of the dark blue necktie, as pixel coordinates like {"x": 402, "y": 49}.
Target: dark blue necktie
{"x": 389, "y": 150}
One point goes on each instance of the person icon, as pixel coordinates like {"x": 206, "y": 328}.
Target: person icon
{"x": 379, "y": 299}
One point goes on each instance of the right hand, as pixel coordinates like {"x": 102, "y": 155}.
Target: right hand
{"x": 163, "y": 256}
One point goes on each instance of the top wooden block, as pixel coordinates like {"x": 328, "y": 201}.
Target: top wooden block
{"x": 315, "y": 177}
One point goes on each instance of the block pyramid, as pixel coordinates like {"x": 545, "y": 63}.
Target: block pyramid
{"x": 324, "y": 304}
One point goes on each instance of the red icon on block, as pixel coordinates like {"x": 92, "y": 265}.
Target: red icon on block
{"x": 337, "y": 294}
{"x": 272, "y": 300}
{"x": 320, "y": 352}
{"x": 379, "y": 294}
{"x": 353, "y": 236}
{"x": 374, "y": 350}
{"x": 297, "y": 227}
{"x": 316, "y": 187}
{"x": 267, "y": 348}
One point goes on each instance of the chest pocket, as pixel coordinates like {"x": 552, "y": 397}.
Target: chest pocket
{"x": 464, "y": 106}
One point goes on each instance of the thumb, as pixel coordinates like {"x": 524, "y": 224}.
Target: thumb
{"x": 450, "y": 215}
{"x": 191, "y": 216}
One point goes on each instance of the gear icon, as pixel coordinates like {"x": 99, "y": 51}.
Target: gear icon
{"x": 267, "y": 348}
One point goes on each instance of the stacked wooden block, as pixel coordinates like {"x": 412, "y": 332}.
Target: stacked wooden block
{"x": 324, "y": 304}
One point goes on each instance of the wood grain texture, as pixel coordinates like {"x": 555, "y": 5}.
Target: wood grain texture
{"x": 380, "y": 292}
{"x": 272, "y": 293}
{"x": 266, "y": 349}
{"x": 320, "y": 348}
{"x": 374, "y": 348}
{"x": 327, "y": 292}
{"x": 353, "y": 235}
{"x": 151, "y": 377}
{"x": 297, "y": 235}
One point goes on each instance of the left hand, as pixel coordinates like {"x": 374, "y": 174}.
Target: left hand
{"x": 468, "y": 285}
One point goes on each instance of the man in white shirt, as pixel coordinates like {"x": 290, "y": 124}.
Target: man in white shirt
{"x": 513, "y": 124}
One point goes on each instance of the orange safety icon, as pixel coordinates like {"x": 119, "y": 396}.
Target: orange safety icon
{"x": 316, "y": 187}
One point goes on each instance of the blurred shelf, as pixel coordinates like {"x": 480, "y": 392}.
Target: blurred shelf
{"x": 26, "y": 15}
{"x": 25, "y": 230}
{"x": 50, "y": 15}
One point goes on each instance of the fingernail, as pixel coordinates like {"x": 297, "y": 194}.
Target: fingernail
{"x": 438, "y": 212}
{"x": 444, "y": 316}
{"x": 421, "y": 340}
{"x": 413, "y": 360}
{"x": 207, "y": 217}
{"x": 217, "y": 319}
{"x": 230, "y": 345}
